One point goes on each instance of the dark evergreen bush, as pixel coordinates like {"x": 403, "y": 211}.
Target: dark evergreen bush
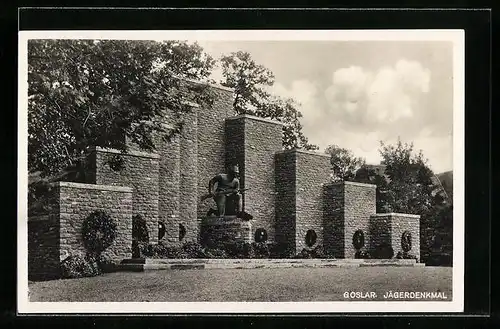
{"x": 193, "y": 250}
{"x": 260, "y": 250}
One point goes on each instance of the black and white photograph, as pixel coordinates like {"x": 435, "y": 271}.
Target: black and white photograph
{"x": 241, "y": 171}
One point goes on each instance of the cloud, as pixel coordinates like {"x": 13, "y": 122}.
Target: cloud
{"x": 361, "y": 107}
{"x": 357, "y": 96}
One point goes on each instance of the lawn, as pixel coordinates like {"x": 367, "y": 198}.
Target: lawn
{"x": 238, "y": 285}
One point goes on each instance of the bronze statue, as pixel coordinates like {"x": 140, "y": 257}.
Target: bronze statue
{"x": 223, "y": 187}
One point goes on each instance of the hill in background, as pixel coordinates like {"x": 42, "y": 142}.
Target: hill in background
{"x": 446, "y": 179}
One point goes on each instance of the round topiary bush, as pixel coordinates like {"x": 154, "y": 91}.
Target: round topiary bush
{"x": 99, "y": 232}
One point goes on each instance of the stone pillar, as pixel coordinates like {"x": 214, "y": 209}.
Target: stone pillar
{"x": 140, "y": 171}
{"x": 300, "y": 176}
{"x": 169, "y": 198}
{"x": 348, "y": 207}
{"x": 285, "y": 198}
{"x": 188, "y": 189}
{"x": 389, "y": 229}
{"x": 312, "y": 172}
{"x": 251, "y": 142}
{"x": 211, "y": 141}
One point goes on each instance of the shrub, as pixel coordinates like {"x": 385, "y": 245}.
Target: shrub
{"x": 99, "y": 232}
{"x": 193, "y": 250}
{"x": 215, "y": 253}
{"x": 260, "y": 250}
{"x": 280, "y": 250}
{"x": 362, "y": 254}
{"x": 78, "y": 267}
{"x": 238, "y": 249}
{"x": 405, "y": 255}
{"x": 318, "y": 252}
{"x": 105, "y": 263}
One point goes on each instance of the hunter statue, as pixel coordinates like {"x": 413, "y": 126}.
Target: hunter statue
{"x": 225, "y": 190}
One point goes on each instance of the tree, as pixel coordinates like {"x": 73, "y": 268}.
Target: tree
{"x": 410, "y": 189}
{"x": 344, "y": 163}
{"x": 85, "y": 93}
{"x": 250, "y": 82}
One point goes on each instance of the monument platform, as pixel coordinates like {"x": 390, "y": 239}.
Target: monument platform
{"x": 214, "y": 229}
{"x": 142, "y": 264}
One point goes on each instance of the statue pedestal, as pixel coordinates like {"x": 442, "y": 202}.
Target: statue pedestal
{"x": 214, "y": 230}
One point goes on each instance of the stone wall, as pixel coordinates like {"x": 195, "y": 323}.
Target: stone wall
{"x": 213, "y": 229}
{"x": 55, "y": 236}
{"x": 333, "y": 220}
{"x": 389, "y": 228}
{"x": 211, "y": 142}
{"x": 359, "y": 205}
{"x": 188, "y": 183}
{"x": 43, "y": 247}
{"x": 380, "y": 231}
{"x": 348, "y": 209}
{"x": 169, "y": 189}
{"x": 285, "y": 207}
{"x": 311, "y": 172}
{"x": 262, "y": 139}
{"x": 77, "y": 201}
{"x": 140, "y": 172}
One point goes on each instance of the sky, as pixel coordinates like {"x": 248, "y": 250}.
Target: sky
{"x": 355, "y": 94}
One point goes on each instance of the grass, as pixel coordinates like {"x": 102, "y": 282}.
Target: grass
{"x": 239, "y": 285}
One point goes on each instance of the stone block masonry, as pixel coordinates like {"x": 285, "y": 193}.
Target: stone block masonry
{"x": 43, "y": 247}
{"x": 348, "y": 207}
{"x": 333, "y": 220}
{"x": 359, "y": 204}
{"x": 389, "y": 228}
{"x": 251, "y": 142}
{"x": 285, "y": 206}
{"x": 211, "y": 142}
{"x": 300, "y": 176}
{"x": 169, "y": 189}
{"x": 58, "y": 235}
{"x": 140, "y": 172}
{"x": 312, "y": 172}
{"x": 188, "y": 181}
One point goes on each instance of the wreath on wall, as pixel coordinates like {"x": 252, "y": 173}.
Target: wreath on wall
{"x": 311, "y": 238}
{"x": 406, "y": 241}
{"x": 358, "y": 239}
{"x": 116, "y": 162}
{"x": 260, "y": 235}
{"x": 98, "y": 231}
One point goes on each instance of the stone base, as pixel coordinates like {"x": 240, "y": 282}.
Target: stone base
{"x": 214, "y": 229}
{"x": 179, "y": 264}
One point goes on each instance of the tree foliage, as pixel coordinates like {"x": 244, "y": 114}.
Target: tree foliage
{"x": 407, "y": 186}
{"x": 97, "y": 92}
{"x": 251, "y": 83}
{"x": 344, "y": 163}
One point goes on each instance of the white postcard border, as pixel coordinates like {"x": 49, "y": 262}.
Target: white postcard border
{"x": 456, "y": 305}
